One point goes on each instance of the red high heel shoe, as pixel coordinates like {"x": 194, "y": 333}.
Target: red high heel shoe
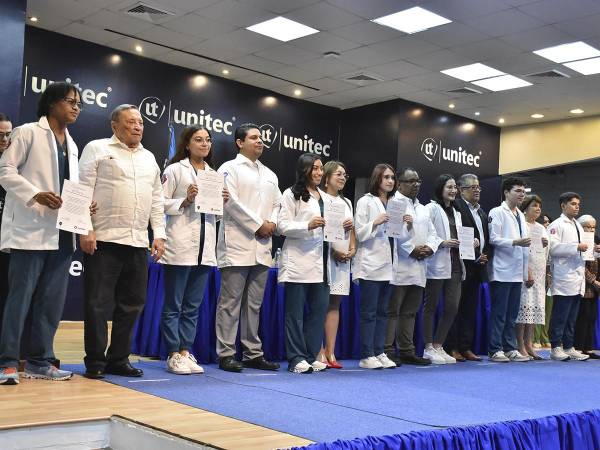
{"x": 333, "y": 364}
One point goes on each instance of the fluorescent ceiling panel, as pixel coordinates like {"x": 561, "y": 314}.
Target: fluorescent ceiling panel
{"x": 568, "y": 52}
{"x": 282, "y": 29}
{"x": 412, "y": 20}
{"x": 502, "y": 83}
{"x": 472, "y": 72}
{"x": 586, "y": 67}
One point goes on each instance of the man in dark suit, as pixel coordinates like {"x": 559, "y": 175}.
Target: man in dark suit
{"x": 460, "y": 338}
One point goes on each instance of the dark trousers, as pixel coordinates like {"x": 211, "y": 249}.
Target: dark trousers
{"x": 403, "y": 307}
{"x": 586, "y": 324}
{"x": 304, "y": 336}
{"x": 562, "y": 322}
{"x": 184, "y": 291}
{"x": 462, "y": 332}
{"x": 506, "y": 300}
{"x": 4, "y": 260}
{"x": 374, "y": 298}
{"x": 115, "y": 283}
{"x": 36, "y": 279}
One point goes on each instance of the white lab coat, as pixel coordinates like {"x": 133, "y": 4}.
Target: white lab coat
{"x": 184, "y": 224}
{"x": 439, "y": 265}
{"x": 509, "y": 263}
{"x": 302, "y": 252}
{"x": 27, "y": 167}
{"x": 566, "y": 262}
{"x": 254, "y": 196}
{"x": 373, "y": 259}
{"x": 339, "y": 272}
{"x": 408, "y": 271}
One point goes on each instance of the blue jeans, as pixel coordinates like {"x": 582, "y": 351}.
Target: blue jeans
{"x": 374, "y": 299}
{"x": 562, "y": 321}
{"x": 506, "y": 300}
{"x": 303, "y": 337}
{"x": 184, "y": 291}
{"x": 36, "y": 279}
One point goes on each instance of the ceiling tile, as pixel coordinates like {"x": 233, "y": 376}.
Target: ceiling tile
{"x": 504, "y": 23}
{"x": 434, "y": 80}
{"x": 185, "y": 60}
{"x": 213, "y": 49}
{"x": 366, "y": 32}
{"x": 279, "y": 6}
{"x": 440, "y": 60}
{"x": 581, "y": 28}
{"x": 323, "y": 16}
{"x": 551, "y": 11}
{"x": 50, "y": 22}
{"x": 257, "y": 63}
{"x": 167, "y": 37}
{"x": 452, "y": 34}
{"x": 296, "y": 74}
{"x": 459, "y": 10}
{"x": 287, "y": 54}
{"x": 404, "y": 47}
{"x": 486, "y": 50}
{"x": 88, "y": 33}
{"x": 235, "y": 13}
{"x": 128, "y": 45}
{"x": 538, "y": 38}
{"x": 328, "y": 66}
{"x": 365, "y": 57}
{"x": 67, "y": 9}
{"x": 397, "y": 69}
{"x": 331, "y": 85}
{"x": 195, "y": 25}
{"x": 118, "y": 22}
{"x": 372, "y": 9}
{"x": 325, "y": 42}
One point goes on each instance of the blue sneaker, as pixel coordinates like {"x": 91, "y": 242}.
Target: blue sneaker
{"x": 46, "y": 373}
{"x": 9, "y": 375}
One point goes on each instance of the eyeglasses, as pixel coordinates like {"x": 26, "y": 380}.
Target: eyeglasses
{"x": 74, "y": 103}
{"x": 473, "y": 187}
{"x": 341, "y": 175}
{"x": 200, "y": 140}
{"x": 5, "y": 135}
{"x": 412, "y": 181}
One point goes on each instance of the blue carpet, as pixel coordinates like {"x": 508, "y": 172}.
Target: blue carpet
{"x": 348, "y": 403}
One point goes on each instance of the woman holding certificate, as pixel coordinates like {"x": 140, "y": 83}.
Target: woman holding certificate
{"x": 340, "y": 254}
{"x": 189, "y": 249}
{"x": 304, "y": 270}
{"x": 445, "y": 270}
{"x": 533, "y": 292}
{"x": 373, "y": 265}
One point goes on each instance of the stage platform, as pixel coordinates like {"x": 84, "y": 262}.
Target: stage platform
{"x": 354, "y": 403}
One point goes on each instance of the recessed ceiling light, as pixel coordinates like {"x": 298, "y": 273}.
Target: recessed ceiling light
{"x": 568, "y": 52}
{"x": 451, "y": 106}
{"x": 537, "y": 116}
{"x": 472, "y": 72}
{"x": 297, "y": 92}
{"x": 502, "y": 83}
{"x": 269, "y": 101}
{"x": 199, "y": 81}
{"x": 225, "y": 72}
{"x": 467, "y": 126}
{"x": 586, "y": 67}
{"x": 115, "y": 59}
{"x": 33, "y": 19}
{"x": 477, "y": 113}
{"x": 139, "y": 49}
{"x": 282, "y": 29}
{"x": 577, "y": 111}
{"x": 412, "y": 20}
{"x": 501, "y": 120}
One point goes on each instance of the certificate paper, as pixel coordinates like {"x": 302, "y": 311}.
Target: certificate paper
{"x": 74, "y": 214}
{"x": 587, "y": 237}
{"x": 209, "y": 199}
{"x": 466, "y": 236}
{"x": 396, "y": 209}
{"x": 334, "y": 215}
{"x": 537, "y": 246}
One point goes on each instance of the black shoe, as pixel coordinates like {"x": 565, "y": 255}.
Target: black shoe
{"x": 230, "y": 364}
{"x": 592, "y": 355}
{"x": 124, "y": 370}
{"x": 94, "y": 374}
{"x": 392, "y": 356}
{"x": 260, "y": 363}
{"x": 415, "y": 360}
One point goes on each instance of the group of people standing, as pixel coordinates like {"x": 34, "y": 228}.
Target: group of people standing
{"x": 396, "y": 274}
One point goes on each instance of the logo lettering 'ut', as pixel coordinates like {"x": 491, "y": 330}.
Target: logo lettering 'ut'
{"x": 429, "y": 148}
{"x": 152, "y": 109}
{"x": 268, "y": 134}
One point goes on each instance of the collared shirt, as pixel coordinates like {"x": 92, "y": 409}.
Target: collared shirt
{"x": 475, "y": 213}
{"x": 128, "y": 190}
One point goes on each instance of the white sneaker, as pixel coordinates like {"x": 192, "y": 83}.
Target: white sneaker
{"x": 370, "y": 363}
{"x": 302, "y": 367}
{"x": 515, "y": 355}
{"x": 318, "y": 366}
{"x": 432, "y": 354}
{"x": 499, "y": 357}
{"x": 576, "y": 355}
{"x": 558, "y": 354}
{"x": 449, "y": 359}
{"x": 386, "y": 362}
{"x": 193, "y": 364}
{"x": 177, "y": 364}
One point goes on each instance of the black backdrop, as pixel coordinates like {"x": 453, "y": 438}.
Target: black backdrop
{"x": 397, "y": 132}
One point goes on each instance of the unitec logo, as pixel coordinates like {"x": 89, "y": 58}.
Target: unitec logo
{"x": 152, "y": 109}
{"x": 430, "y": 148}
